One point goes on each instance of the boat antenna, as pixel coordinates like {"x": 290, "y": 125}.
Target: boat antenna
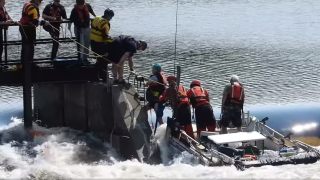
{"x": 175, "y": 40}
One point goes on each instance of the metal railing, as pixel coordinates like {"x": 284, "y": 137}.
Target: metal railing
{"x": 68, "y": 48}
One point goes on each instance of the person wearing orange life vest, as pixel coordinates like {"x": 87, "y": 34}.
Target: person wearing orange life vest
{"x": 54, "y": 11}
{"x": 80, "y": 16}
{"x": 29, "y": 22}
{"x": 183, "y": 115}
{"x": 5, "y": 19}
{"x": 199, "y": 99}
{"x": 156, "y": 87}
{"x": 232, "y": 105}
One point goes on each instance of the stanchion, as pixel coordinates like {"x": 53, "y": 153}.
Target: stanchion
{"x": 27, "y": 82}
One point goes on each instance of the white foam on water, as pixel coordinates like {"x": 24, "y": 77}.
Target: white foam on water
{"x": 66, "y": 154}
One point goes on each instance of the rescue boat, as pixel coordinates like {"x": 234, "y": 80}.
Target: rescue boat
{"x": 256, "y": 146}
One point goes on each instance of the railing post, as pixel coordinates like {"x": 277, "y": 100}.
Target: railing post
{"x": 5, "y": 47}
{"x": 178, "y": 75}
{"x": 27, "y": 96}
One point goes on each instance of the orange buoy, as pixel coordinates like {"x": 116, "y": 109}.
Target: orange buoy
{"x": 35, "y": 134}
{"x": 250, "y": 156}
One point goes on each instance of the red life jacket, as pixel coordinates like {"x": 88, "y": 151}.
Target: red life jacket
{"x": 199, "y": 96}
{"x": 236, "y": 94}
{"x": 79, "y": 11}
{"x": 182, "y": 95}
{"x": 26, "y": 19}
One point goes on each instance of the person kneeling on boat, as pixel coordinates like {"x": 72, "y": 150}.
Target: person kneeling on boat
{"x": 199, "y": 99}
{"x": 156, "y": 87}
{"x": 232, "y": 105}
{"x": 183, "y": 114}
{"x": 99, "y": 37}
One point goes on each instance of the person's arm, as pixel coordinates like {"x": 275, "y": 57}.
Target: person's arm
{"x": 32, "y": 11}
{"x": 72, "y": 18}
{"x": 63, "y": 13}
{"x": 130, "y": 60}
{"x": 224, "y": 97}
{"x": 124, "y": 57}
{"x": 9, "y": 17}
{"x": 46, "y": 14}
{"x": 153, "y": 79}
{"x": 90, "y": 10}
{"x": 163, "y": 96}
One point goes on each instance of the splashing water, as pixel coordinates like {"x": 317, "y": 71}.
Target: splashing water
{"x": 64, "y": 154}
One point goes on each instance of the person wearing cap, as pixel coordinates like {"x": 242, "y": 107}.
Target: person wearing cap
{"x": 29, "y": 22}
{"x": 199, "y": 98}
{"x": 122, "y": 49}
{"x": 99, "y": 37}
{"x": 5, "y": 19}
{"x": 180, "y": 104}
{"x": 232, "y": 105}
{"x": 54, "y": 11}
{"x": 156, "y": 87}
{"x": 80, "y": 16}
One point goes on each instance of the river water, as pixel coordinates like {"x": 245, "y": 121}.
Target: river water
{"x": 271, "y": 45}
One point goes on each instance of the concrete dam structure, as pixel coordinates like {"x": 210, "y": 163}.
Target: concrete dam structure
{"x": 114, "y": 113}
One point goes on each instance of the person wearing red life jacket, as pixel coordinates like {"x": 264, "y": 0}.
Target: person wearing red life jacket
{"x": 80, "y": 16}
{"x": 183, "y": 114}
{"x": 232, "y": 105}
{"x": 199, "y": 99}
{"x": 54, "y": 11}
{"x": 28, "y": 24}
{"x": 156, "y": 87}
{"x": 5, "y": 19}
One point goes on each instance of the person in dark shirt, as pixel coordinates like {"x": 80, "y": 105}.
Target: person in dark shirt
{"x": 81, "y": 19}
{"x": 5, "y": 19}
{"x": 54, "y": 12}
{"x": 120, "y": 50}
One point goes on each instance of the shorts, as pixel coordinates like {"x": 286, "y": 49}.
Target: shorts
{"x": 204, "y": 116}
{"x": 115, "y": 52}
{"x": 184, "y": 115}
{"x": 232, "y": 113}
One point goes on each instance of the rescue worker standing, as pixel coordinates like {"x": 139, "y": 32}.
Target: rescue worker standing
{"x": 232, "y": 105}
{"x": 183, "y": 115}
{"x": 81, "y": 18}
{"x": 199, "y": 99}
{"x": 29, "y": 22}
{"x": 54, "y": 12}
{"x": 121, "y": 49}
{"x": 99, "y": 37}
{"x": 5, "y": 19}
{"x": 156, "y": 87}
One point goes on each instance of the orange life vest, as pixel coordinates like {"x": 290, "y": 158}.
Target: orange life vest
{"x": 182, "y": 95}
{"x": 236, "y": 94}
{"x": 199, "y": 97}
{"x": 26, "y": 19}
{"x": 79, "y": 11}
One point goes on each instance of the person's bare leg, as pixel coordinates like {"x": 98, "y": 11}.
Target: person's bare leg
{"x": 156, "y": 110}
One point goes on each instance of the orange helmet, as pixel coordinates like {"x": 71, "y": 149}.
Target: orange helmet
{"x": 172, "y": 78}
{"x": 195, "y": 83}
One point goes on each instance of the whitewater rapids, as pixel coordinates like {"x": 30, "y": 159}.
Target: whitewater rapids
{"x": 67, "y": 154}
